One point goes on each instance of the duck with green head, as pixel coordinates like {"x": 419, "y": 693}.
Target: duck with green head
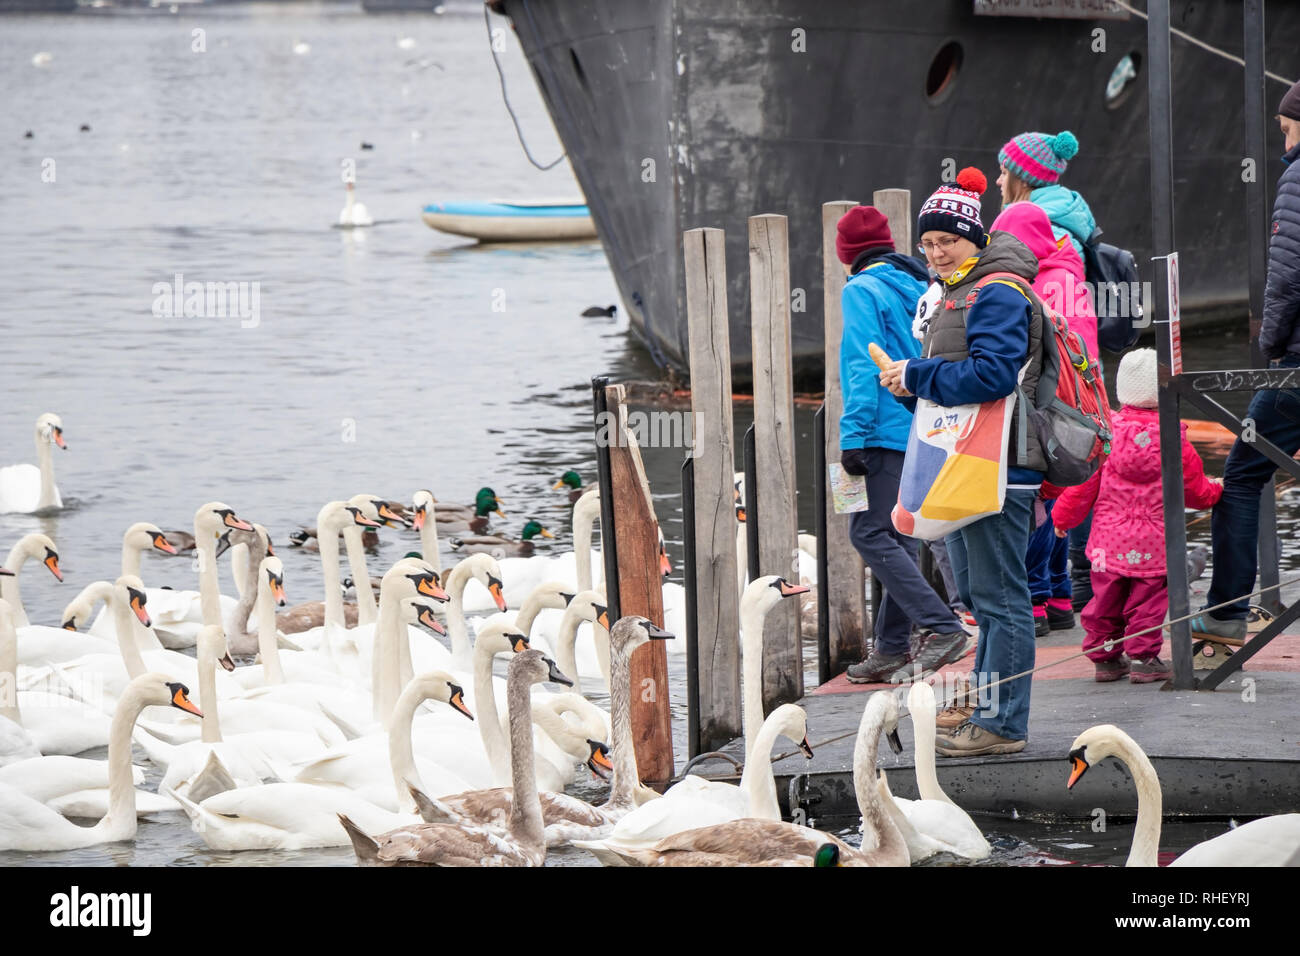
{"x": 475, "y": 522}
{"x": 485, "y": 502}
{"x": 502, "y": 547}
{"x": 573, "y": 481}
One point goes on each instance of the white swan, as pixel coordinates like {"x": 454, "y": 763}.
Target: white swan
{"x": 27, "y": 824}
{"x": 25, "y": 489}
{"x": 934, "y": 824}
{"x": 426, "y": 522}
{"x": 41, "y": 645}
{"x": 354, "y": 214}
{"x": 752, "y": 842}
{"x": 1269, "y": 841}
{"x": 445, "y": 844}
{"x": 586, "y": 606}
{"x": 30, "y": 546}
{"x": 484, "y": 569}
{"x": 696, "y": 802}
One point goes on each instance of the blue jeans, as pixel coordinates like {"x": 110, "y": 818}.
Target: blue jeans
{"x": 1047, "y": 561}
{"x": 988, "y": 562}
{"x": 908, "y": 598}
{"x": 1234, "y": 527}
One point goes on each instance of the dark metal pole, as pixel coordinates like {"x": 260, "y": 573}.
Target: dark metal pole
{"x": 751, "y": 506}
{"x": 692, "y": 621}
{"x": 1257, "y": 247}
{"x": 1160, "y": 112}
{"x": 819, "y": 528}
{"x": 612, "y": 431}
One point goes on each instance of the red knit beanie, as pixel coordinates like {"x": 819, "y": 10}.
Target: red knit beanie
{"x": 860, "y": 229}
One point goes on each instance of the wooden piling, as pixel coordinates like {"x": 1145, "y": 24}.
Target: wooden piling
{"x": 778, "y": 552}
{"x": 718, "y": 610}
{"x": 640, "y": 592}
{"x": 846, "y": 590}
{"x": 896, "y": 206}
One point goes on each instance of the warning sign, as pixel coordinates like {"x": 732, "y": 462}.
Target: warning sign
{"x": 1175, "y": 330}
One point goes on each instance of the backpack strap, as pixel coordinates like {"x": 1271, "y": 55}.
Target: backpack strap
{"x": 1022, "y": 402}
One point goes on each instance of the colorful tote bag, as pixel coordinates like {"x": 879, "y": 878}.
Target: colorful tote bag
{"x": 955, "y": 467}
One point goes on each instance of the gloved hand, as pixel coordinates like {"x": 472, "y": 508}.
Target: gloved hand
{"x": 854, "y": 461}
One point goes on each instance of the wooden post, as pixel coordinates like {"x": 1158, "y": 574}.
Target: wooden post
{"x": 844, "y": 564}
{"x": 896, "y": 206}
{"x": 778, "y": 552}
{"x": 640, "y": 592}
{"x": 715, "y": 510}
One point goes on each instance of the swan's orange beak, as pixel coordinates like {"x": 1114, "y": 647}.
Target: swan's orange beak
{"x": 137, "y": 605}
{"x": 162, "y": 544}
{"x": 806, "y": 747}
{"x": 277, "y": 590}
{"x": 58, "y": 438}
{"x": 388, "y": 514}
{"x": 70, "y": 624}
{"x": 740, "y": 515}
{"x": 360, "y": 519}
{"x": 457, "y": 701}
{"x": 181, "y": 699}
{"x": 494, "y": 588}
{"x": 52, "y": 562}
{"x": 1078, "y": 767}
{"x": 602, "y": 617}
{"x": 788, "y": 590}
{"x": 599, "y": 763}
{"x": 665, "y": 566}
{"x": 418, "y": 523}
{"x": 518, "y": 643}
{"x": 432, "y": 623}
{"x": 430, "y": 587}
{"x": 239, "y": 524}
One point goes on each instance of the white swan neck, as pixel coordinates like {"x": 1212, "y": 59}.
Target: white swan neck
{"x": 583, "y": 521}
{"x": 124, "y": 623}
{"x": 209, "y": 584}
{"x": 429, "y": 539}
{"x": 756, "y": 779}
{"x": 599, "y": 637}
{"x": 1146, "y": 834}
{"x": 385, "y": 667}
{"x": 268, "y": 644}
{"x": 327, "y": 541}
{"x": 526, "y": 824}
{"x": 566, "y": 653}
{"x": 874, "y": 816}
{"x": 528, "y": 612}
{"x": 120, "y": 822}
{"x": 457, "y": 629}
{"x": 401, "y": 751}
{"x": 210, "y": 725}
{"x": 367, "y": 608}
{"x": 489, "y": 719}
{"x": 751, "y": 654}
{"x": 130, "y": 558}
{"x": 924, "y": 727}
{"x": 9, "y": 584}
{"x": 8, "y": 667}
{"x": 45, "y": 457}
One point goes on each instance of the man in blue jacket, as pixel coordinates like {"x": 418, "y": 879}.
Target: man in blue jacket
{"x": 1276, "y": 412}
{"x": 981, "y": 345}
{"x": 878, "y": 302}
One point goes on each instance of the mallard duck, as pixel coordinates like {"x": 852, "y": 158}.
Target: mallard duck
{"x": 501, "y": 547}
{"x": 484, "y": 497}
{"x": 573, "y": 481}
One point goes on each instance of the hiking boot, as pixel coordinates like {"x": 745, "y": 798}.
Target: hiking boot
{"x": 950, "y": 718}
{"x": 1206, "y": 624}
{"x": 1147, "y": 670}
{"x": 936, "y": 650}
{"x": 1060, "y": 618}
{"x": 972, "y": 740}
{"x": 1112, "y": 670}
{"x": 878, "y": 668}
{"x": 1042, "y": 627}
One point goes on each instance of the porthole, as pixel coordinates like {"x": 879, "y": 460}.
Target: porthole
{"x": 943, "y": 71}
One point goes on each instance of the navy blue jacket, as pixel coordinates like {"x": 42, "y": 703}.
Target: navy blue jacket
{"x": 1280, "y": 331}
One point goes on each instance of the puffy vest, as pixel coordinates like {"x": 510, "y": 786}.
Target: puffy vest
{"x": 945, "y": 336}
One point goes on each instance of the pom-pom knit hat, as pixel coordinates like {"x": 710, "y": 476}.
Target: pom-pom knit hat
{"x": 955, "y": 208}
{"x": 1037, "y": 158}
{"x": 1135, "y": 382}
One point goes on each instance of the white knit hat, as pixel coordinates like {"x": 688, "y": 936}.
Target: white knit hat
{"x": 1135, "y": 382}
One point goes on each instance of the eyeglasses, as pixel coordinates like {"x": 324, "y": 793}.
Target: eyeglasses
{"x": 926, "y": 248}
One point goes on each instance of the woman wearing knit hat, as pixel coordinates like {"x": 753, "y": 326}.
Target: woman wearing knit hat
{"x": 1127, "y": 543}
{"x": 979, "y": 345}
{"x": 877, "y": 304}
{"x": 1032, "y": 166}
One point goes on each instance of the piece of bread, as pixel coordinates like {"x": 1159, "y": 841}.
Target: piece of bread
{"x": 879, "y": 356}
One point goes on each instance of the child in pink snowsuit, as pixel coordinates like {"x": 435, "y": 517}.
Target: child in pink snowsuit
{"x": 1127, "y": 544}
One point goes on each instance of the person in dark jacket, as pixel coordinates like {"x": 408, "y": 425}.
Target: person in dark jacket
{"x": 877, "y": 303}
{"x": 978, "y": 351}
{"x": 1276, "y": 412}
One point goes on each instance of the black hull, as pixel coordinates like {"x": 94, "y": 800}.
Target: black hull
{"x": 739, "y": 124}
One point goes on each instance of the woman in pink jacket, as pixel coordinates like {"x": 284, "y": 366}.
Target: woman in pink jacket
{"x": 1060, "y": 284}
{"x": 1127, "y": 544}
